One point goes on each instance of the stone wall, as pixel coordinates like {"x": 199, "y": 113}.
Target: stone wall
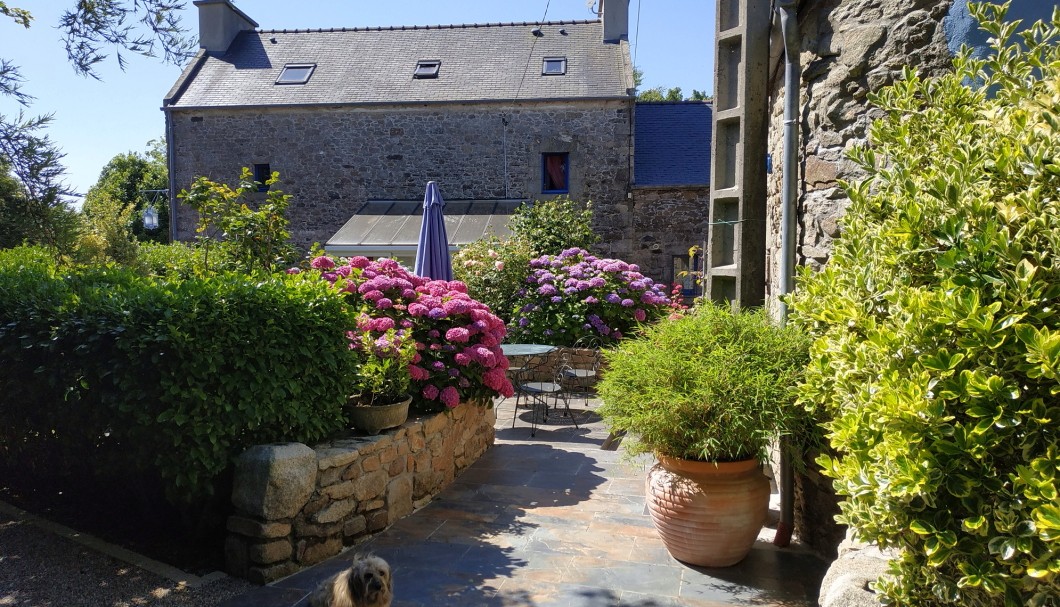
{"x": 849, "y": 48}
{"x": 331, "y": 160}
{"x": 296, "y": 506}
{"x": 666, "y": 221}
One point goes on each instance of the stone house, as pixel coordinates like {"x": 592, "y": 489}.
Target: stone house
{"x": 358, "y": 120}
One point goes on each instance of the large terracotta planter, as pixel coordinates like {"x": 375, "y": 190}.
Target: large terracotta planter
{"x": 375, "y": 418}
{"x": 708, "y": 514}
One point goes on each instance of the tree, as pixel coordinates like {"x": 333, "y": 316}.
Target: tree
{"x": 33, "y": 160}
{"x": 134, "y": 180}
{"x": 659, "y": 93}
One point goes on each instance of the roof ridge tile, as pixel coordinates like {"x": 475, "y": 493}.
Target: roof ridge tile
{"x": 390, "y": 28}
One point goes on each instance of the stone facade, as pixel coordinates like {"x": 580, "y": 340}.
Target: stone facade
{"x": 296, "y": 506}
{"x": 849, "y": 48}
{"x": 666, "y": 221}
{"x": 331, "y": 160}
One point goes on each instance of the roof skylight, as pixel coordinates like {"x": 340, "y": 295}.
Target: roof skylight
{"x": 296, "y": 73}
{"x": 553, "y": 66}
{"x": 427, "y": 68}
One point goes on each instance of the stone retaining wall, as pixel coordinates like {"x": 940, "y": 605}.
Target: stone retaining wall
{"x": 296, "y": 506}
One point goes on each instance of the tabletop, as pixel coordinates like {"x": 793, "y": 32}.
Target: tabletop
{"x": 526, "y": 349}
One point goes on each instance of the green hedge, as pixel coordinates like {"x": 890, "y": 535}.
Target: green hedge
{"x": 176, "y": 377}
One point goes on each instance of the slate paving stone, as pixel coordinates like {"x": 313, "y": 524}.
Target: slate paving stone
{"x": 267, "y": 596}
{"x": 553, "y": 521}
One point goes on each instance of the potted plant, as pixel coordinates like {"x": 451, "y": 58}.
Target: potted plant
{"x": 706, "y": 392}
{"x": 380, "y": 394}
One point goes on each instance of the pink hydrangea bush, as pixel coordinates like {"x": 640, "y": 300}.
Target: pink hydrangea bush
{"x": 575, "y": 295}
{"x": 457, "y": 339}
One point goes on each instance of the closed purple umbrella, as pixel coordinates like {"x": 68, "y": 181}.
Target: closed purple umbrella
{"x": 432, "y": 252}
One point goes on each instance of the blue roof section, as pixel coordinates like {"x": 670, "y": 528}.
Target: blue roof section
{"x": 672, "y": 143}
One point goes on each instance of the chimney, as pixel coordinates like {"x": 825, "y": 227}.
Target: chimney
{"x": 615, "y": 15}
{"x": 219, "y": 23}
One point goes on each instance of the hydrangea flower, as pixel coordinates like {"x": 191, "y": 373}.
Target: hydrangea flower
{"x": 603, "y": 298}
{"x": 456, "y": 356}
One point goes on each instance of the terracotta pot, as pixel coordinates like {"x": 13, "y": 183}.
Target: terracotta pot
{"x": 374, "y": 418}
{"x": 708, "y": 514}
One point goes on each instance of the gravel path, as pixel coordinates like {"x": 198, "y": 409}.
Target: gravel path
{"x": 39, "y": 567}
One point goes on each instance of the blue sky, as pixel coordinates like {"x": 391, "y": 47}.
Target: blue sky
{"x": 96, "y": 120}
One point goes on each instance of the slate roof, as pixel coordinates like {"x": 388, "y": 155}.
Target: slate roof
{"x": 482, "y": 62}
{"x": 672, "y": 143}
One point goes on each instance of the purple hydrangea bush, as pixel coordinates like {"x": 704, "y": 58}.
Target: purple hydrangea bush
{"x": 576, "y": 295}
{"x": 457, "y": 339}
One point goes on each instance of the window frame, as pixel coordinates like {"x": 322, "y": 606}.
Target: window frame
{"x": 312, "y": 67}
{"x": 427, "y": 64}
{"x": 544, "y": 172}
{"x": 562, "y": 64}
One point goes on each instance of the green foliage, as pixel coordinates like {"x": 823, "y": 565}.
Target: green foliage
{"x": 550, "y": 226}
{"x": 176, "y": 260}
{"x": 107, "y": 233}
{"x": 494, "y": 269}
{"x": 177, "y": 377}
{"x": 382, "y": 376}
{"x": 37, "y": 211}
{"x": 938, "y": 339}
{"x": 708, "y": 385}
{"x": 134, "y": 180}
{"x": 254, "y": 238}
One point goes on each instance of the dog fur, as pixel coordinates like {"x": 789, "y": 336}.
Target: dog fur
{"x": 367, "y": 583}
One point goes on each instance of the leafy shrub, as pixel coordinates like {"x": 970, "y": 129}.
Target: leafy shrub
{"x": 176, "y": 260}
{"x": 458, "y": 340}
{"x": 939, "y": 339}
{"x": 177, "y": 377}
{"x": 550, "y": 226}
{"x": 255, "y": 235}
{"x": 494, "y": 269}
{"x": 574, "y": 295}
{"x": 705, "y": 385}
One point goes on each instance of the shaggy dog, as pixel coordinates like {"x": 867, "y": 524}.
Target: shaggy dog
{"x": 366, "y": 583}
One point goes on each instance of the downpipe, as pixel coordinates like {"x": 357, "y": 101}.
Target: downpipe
{"x": 789, "y": 28}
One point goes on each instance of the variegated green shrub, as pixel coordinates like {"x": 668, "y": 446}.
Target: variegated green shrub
{"x": 938, "y": 334}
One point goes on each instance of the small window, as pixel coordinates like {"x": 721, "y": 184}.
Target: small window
{"x": 553, "y": 66}
{"x": 296, "y": 73}
{"x": 554, "y": 170}
{"x": 426, "y": 68}
{"x": 262, "y": 173}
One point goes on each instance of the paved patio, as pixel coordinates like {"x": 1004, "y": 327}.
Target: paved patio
{"x": 553, "y": 520}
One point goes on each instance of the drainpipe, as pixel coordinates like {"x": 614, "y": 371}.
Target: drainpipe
{"x": 789, "y": 28}
{"x": 170, "y": 166}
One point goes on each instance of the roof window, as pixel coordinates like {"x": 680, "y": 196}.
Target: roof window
{"x": 427, "y": 68}
{"x": 553, "y": 66}
{"x": 296, "y": 73}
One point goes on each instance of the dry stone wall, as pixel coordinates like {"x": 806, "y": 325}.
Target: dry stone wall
{"x": 331, "y": 160}
{"x": 296, "y": 506}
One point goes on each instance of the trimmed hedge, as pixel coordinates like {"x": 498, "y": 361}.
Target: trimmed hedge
{"x": 175, "y": 377}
